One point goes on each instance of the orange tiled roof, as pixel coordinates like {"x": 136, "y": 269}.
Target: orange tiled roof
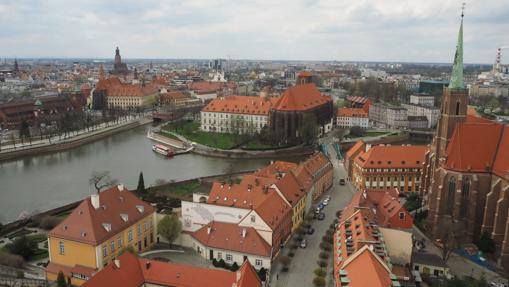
{"x": 291, "y": 189}
{"x": 352, "y": 112}
{"x": 301, "y": 98}
{"x": 275, "y": 168}
{"x": 206, "y": 86}
{"x": 366, "y": 269}
{"x": 479, "y": 147}
{"x": 393, "y": 156}
{"x": 316, "y": 162}
{"x": 229, "y": 236}
{"x": 252, "y": 105}
{"x": 89, "y": 225}
{"x": 133, "y": 272}
{"x": 359, "y": 146}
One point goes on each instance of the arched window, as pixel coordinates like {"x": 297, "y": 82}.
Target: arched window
{"x": 465, "y": 194}
{"x": 450, "y": 196}
{"x": 457, "y": 108}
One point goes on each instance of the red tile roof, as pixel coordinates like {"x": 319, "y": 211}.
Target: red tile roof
{"x": 229, "y": 236}
{"x": 261, "y": 198}
{"x": 479, "y": 147}
{"x": 393, "y": 156}
{"x": 134, "y": 272}
{"x": 301, "y": 98}
{"x": 55, "y": 268}
{"x": 252, "y": 105}
{"x": 317, "y": 162}
{"x": 366, "y": 269}
{"x": 291, "y": 189}
{"x": 201, "y": 87}
{"x": 359, "y": 146}
{"x": 87, "y": 224}
{"x": 352, "y": 112}
{"x": 275, "y": 168}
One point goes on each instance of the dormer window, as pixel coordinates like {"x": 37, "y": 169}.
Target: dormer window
{"x": 124, "y": 217}
{"x": 107, "y": 226}
{"x": 140, "y": 208}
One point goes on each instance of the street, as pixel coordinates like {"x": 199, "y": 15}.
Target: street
{"x": 304, "y": 262}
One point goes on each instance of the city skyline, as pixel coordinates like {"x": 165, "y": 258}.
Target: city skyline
{"x": 382, "y": 31}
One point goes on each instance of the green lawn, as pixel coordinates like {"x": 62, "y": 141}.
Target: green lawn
{"x": 185, "y": 189}
{"x": 37, "y": 237}
{"x": 375, "y": 134}
{"x": 191, "y": 131}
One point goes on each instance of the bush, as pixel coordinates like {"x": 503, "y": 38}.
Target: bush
{"x": 322, "y": 263}
{"x": 11, "y": 260}
{"x": 234, "y": 267}
{"x": 262, "y": 273}
{"x": 285, "y": 261}
{"x": 338, "y": 213}
{"x": 294, "y": 245}
{"x": 298, "y": 238}
{"x": 485, "y": 243}
{"x": 357, "y": 131}
{"x": 327, "y": 239}
{"x": 221, "y": 263}
{"x": 324, "y": 255}
{"x": 319, "y": 281}
{"x": 215, "y": 263}
{"x": 49, "y": 222}
{"x": 291, "y": 254}
{"x": 23, "y": 247}
{"x": 320, "y": 272}
{"x": 301, "y": 230}
{"x": 326, "y": 246}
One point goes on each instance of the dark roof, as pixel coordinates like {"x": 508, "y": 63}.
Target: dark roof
{"x": 428, "y": 259}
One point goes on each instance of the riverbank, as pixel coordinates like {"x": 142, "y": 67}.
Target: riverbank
{"x": 204, "y": 150}
{"x": 72, "y": 142}
{"x": 164, "y": 189}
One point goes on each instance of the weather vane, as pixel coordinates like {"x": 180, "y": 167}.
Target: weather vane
{"x": 463, "y": 9}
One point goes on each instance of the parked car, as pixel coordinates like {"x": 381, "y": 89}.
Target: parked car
{"x": 321, "y": 216}
{"x": 311, "y": 230}
{"x": 321, "y": 206}
{"x": 342, "y": 181}
{"x": 325, "y": 202}
{"x": 303, "y": 243}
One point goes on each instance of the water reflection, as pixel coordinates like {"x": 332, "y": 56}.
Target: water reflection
{"x": 50, "y": 180}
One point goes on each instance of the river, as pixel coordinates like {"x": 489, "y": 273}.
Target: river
{"x": 39, "y": 183}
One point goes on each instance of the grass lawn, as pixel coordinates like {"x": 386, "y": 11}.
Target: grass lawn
{"x": 374, "y": 133}
{"x": 168, "y": 135}
{"x": 37, "y": 237}
{"x": 63, "y": 214}
{"x": 20, "y": 232}
{"x": 191, "y": 130}
{"x": 40, "y": 254}
{"x": 186, "y": 189}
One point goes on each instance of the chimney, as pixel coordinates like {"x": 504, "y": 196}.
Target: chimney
{"x": 94, "y": 199}
{"x": 117, "y": 263}
{"x": 120, "y": 187}
{"x": 147, "y": 265}
{"x": 244, "y": 232}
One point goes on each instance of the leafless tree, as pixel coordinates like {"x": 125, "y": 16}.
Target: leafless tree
{"x": 101, "y": 179}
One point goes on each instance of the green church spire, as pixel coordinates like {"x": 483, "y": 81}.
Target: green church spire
{"x": 457, "y": 68}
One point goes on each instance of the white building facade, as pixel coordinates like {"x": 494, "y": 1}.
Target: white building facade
{"x": 430, "y": 112}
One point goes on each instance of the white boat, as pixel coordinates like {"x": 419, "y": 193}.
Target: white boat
{"x": 164, "y": 150}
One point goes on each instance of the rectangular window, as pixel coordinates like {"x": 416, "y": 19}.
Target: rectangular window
{"x": 401, "y": 216}
{"x": 130, "y": 236}
{"x": 229, "y": 257}
{"x": 219, "y": 255}
{"x": 61, "y": 248}
{"x": 112, "y": 246}
{"x": 105, "y": 251}
{"x": 145, "y": 226}
{"x": 139, "y": 229}
{"x": 119, "y": 242}
{"x": 258, "y": 262}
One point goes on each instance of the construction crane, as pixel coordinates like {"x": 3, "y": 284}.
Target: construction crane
{"x": 497, "y": 67}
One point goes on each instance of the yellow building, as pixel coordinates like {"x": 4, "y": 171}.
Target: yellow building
{"x": 295, "y": 195}
{"x": 97, "y": 231}
{"x": 389, "y": 166}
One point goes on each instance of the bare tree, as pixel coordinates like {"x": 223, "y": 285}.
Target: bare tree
{"x": 101, "y": 179}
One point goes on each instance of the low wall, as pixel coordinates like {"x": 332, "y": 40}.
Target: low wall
{"x": 289, "y": 152}
{"x": 67, "y": 145}
{"x": 401, "y": 138}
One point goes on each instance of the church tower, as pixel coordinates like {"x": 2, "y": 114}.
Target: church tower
{"x": 16, "y": 67}
{"x": 454, "y": 102}
{"x": 118, "y": 60}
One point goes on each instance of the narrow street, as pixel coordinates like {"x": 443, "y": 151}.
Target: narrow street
{"x": 304, "y": 262}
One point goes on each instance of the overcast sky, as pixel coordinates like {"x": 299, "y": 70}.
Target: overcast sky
{"x": 367, "y": 30}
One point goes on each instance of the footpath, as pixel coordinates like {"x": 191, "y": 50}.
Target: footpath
{"x": 58, "y": 143}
